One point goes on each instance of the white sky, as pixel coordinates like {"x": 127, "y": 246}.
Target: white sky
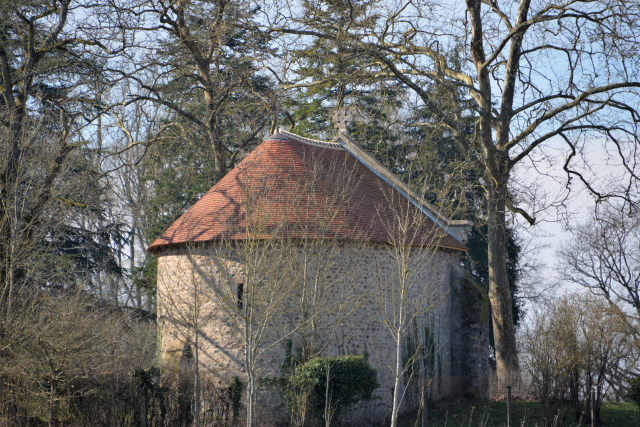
{"x": 544, "y": 238}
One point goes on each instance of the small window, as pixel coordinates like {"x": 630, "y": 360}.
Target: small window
{"x": 186, "y": 359}
{"x": 240, "y": 291}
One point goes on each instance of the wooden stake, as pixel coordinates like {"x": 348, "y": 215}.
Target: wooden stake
{"x": 508, "y": 406}
{"x": 593, "y": 411}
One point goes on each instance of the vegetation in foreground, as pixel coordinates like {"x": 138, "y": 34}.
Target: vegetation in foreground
{"x": 489, "y": 413}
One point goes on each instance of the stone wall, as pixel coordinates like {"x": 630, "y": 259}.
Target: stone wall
{"x": 356, "y": 287}
{"x": 470, "y": 336}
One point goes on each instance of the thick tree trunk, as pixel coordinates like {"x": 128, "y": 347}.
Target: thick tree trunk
{"x": 496, "y": 162}
{"x": 499, "y": 292}
{"x": 575, "y": 395}
{"x": 213, "y": 133}
{"x": 221, "y": 160}
{"x": 53, "y": 406}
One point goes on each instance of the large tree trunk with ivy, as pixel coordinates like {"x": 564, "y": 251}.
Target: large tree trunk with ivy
{"x": 527, "y": 87}
{"x": 496, "y": 162}
{"x": 499, "y": 292}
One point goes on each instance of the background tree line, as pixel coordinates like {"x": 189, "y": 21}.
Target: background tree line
{"x": 117, "y": 116}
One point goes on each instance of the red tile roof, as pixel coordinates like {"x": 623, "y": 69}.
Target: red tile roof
{"x": 298, "y": 188}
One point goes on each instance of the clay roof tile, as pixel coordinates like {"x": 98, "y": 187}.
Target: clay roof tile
{"x": 293, "y": 187}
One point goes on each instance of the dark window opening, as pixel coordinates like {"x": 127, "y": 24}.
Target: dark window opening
{"x": 240, "y": 291}
{"x": 187, "y": 356}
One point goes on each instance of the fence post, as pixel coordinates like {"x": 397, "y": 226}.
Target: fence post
{"x": 509, "y": 406}
{"x": 593, "y": 411}
{"x": 425, "y": 402}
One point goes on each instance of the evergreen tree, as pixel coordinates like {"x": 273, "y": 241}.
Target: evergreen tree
{"x": 52, "y": 218}
{"x": 211, "y": 118}
{"x": 449, "y": 177}
{"x": 411, "y": 142}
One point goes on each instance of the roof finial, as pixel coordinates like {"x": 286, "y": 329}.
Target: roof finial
{"x": 276, "y": 112}
{"x": 342, "y": 118}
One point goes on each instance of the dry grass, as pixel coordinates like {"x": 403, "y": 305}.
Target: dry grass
{"x": 520, "y": 388}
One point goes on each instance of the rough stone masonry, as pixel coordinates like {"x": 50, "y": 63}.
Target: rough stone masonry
{"x": 301, "y": 245}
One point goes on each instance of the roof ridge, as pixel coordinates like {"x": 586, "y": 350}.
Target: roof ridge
{"x": 314, "y": 142}
{"x": 220, "y": 215}
{"x": 433, "y": 213}
{"x": 459, "y": 230}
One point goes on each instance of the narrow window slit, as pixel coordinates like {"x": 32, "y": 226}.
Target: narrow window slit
{"x": 240, "y": 291}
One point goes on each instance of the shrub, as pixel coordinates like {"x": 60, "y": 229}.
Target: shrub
{"x": 350, "y": 380}
{"x": 634, "y": 391}
{"x": 575, "y": 344}
{"x": 235, "y": 396}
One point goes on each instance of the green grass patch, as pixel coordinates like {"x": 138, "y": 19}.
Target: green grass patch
{"x": 488, "y": 413}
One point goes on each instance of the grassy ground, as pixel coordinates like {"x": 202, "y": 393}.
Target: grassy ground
{"x": 486, "y": 413}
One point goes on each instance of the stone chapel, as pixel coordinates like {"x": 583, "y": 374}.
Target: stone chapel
{"x": 314, "y": 231}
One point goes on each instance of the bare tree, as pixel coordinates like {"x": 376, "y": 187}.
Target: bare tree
{"x": 536, "y": 77}
{"x": 51, "y": 78}
{"x": 132, "y": 131}
{"x": 410, "y": 286}
{"x": 603, "y": 256}
{"x": 56, "y": 340}
{"x": 249, "y": 283}
{"x": 241, "y": 282}
{"x": 321, "y": 300}
{"x": 201, "y": 72}
{"x": 551, "y": 354}
{"x": 576, "y": 345}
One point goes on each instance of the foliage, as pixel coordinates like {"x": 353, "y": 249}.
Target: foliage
{"x": 212, "y": 117}
{"x": 407, "y": 140}
{"x": 578, "y": 344}
{"x": 235, "y": 395}
{"x": 57, "y": 228}
{"x": 634, "y": 391}
{"x": 475, "y": 261}
{"x": 145, "y": 276}
{"x": 436, "y": 162}
{"x": 147, "y": 379}
{"x": 419, "y": 352}
{"x": 514, "y": 65}
{"x": 350, "y": 380}
{"x": 339, "y": 78}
